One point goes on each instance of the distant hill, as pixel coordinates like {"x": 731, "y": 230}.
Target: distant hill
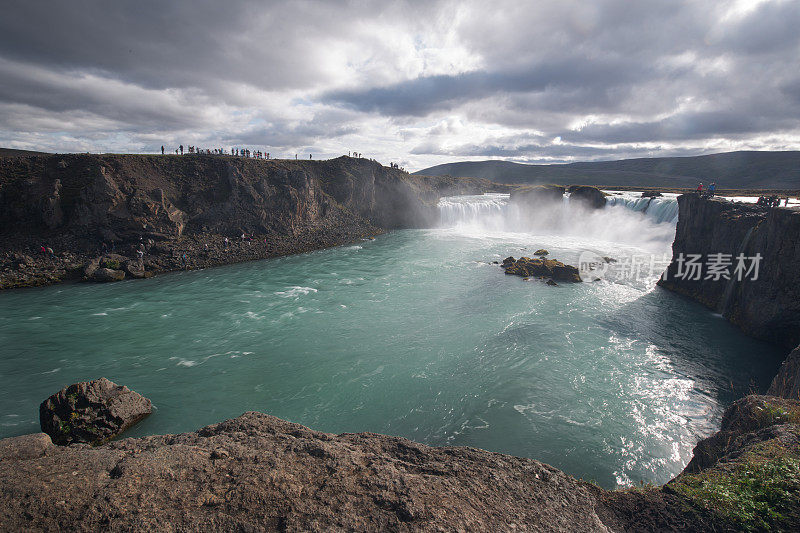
{"x": 731, "y": 170}
{"x": 13, "y": 152}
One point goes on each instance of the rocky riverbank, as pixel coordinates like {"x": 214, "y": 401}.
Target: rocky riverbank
{"x": 259, "y": 473}
{"x": 58, "y": 213}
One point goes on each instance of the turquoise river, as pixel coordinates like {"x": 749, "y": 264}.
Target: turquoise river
{"x": 418, "y": 334}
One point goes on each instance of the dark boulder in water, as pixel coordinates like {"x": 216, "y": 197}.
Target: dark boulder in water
{"x": 93, "y": 412}
{"x": 541, "y": 252}
{"x": 543, "y": 268}
{"x": 587, "y": 196}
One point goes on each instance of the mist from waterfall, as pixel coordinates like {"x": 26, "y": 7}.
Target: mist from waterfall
{"x": 647, "y": 223}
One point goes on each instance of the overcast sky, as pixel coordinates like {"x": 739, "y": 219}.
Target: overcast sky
{"x": 419, "y": 83}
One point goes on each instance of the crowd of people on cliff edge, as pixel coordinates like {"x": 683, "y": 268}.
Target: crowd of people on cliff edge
{"x": 772, "y": 201}
{"x": 253, "y": 154}
{"x": 766, "y": 201}
{"x": 236, "y": 152}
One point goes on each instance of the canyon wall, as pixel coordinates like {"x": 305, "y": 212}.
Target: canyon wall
{"x": 767, "y": 307}
{"x": 182, "y": 208}
{"x": 120, "y": 196}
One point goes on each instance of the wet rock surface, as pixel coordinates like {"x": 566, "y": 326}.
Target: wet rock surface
{"x": 91, "y": 412}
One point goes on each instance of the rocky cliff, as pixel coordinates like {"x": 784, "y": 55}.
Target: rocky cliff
{"x": 78, "y": 205}
{"x": 259, "y": 473}
{"x": 767, "y": 307}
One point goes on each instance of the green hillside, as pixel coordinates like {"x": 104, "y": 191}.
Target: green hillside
{"x": 732, "y": 170}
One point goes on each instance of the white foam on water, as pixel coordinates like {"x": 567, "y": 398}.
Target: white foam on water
{"x": 295, "y": 291}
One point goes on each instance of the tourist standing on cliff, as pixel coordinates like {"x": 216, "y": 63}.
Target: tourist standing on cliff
{"x": 712, "y": 188}
{"x": 699, "y": 189}
{"x": 162, "y": 149}
{"x": 181, "y": 149}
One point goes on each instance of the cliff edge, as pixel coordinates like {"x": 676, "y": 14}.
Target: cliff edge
{"x": 60, "y": 212}
{"x": 765, "y": 302}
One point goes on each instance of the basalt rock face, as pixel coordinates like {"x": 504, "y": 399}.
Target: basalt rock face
{"x": 257, "y": 472}
{"x": 768, "y": 307}
{"x": 118, "y": 197}
{"x": 178, "y": 205}
{"x": 92, "y": 412}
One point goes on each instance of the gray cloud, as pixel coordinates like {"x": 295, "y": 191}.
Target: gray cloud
{"x": 424, "y": 95}
{"x": 421, "y": 82}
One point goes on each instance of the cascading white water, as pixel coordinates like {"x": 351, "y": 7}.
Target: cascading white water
{"x": 472, "y": 210}
{"x": 627, "y": 218}
{"x": 659, "y": 210}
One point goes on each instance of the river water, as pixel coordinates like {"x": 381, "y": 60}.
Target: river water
{"x": 416, "y": 333}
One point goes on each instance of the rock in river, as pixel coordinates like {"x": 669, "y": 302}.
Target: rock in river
{"x": 93, "y": 412}
{"x": 549, "y": 268}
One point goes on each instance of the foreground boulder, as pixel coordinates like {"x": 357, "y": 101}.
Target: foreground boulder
{"x": 260, "y": 473}
{"x": 541, "y": 268}
{"x": 93, "y": 412}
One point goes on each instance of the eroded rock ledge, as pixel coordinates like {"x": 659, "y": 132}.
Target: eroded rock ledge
{"x": 257, "y": 472}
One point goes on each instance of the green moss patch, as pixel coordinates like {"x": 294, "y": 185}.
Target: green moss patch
{"x": 760, "y": 491}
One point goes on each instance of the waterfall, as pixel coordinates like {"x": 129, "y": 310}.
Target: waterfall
{"x": 625, "y": 219}
{"x": 480, "y": 210}
{"x": 492, "y": 208}
{"x": 659, "y": 210}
